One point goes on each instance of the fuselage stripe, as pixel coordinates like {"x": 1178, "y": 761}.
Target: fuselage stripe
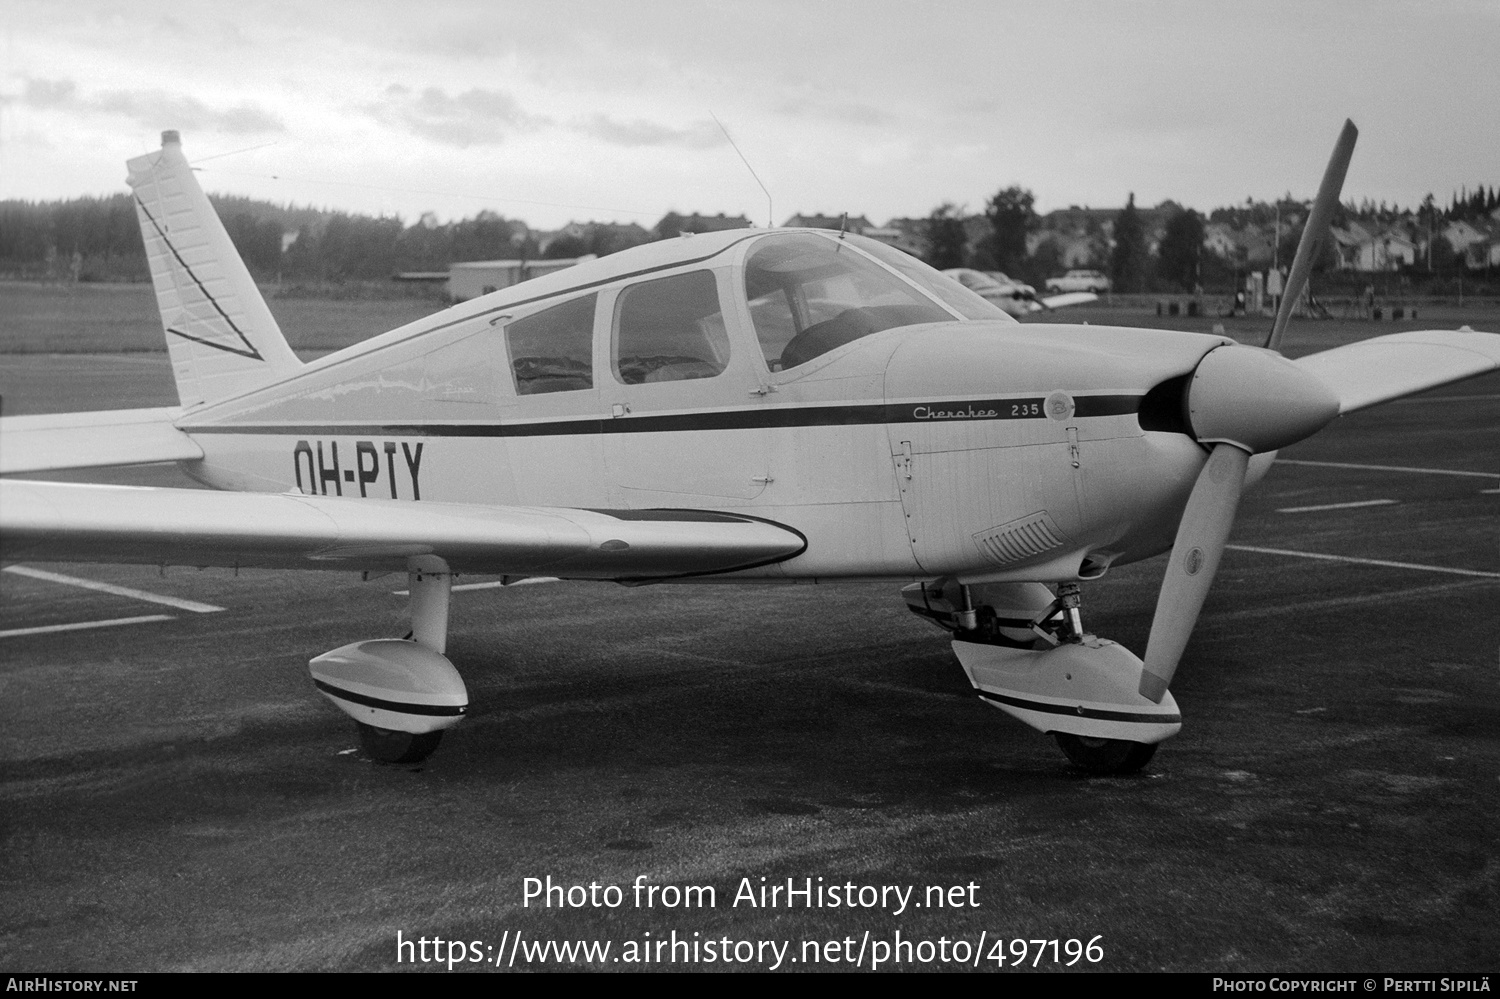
{"x": 972, "y": 411}
{"x": 404, "y": 707}
{"x": 1079, "y": 711}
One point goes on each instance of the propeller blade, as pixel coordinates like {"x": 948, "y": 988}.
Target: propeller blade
{"x": 1201, "y": 537}
{"x": 1316, "y": 230}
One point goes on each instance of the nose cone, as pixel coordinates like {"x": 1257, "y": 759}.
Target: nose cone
{"x": 1256, "y": 400}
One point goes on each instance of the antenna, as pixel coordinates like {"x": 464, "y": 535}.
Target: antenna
{"x": 770, "y": 209}
{"x": 232, "y": 152}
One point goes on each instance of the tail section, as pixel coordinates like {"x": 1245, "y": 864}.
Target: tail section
{"x": 221, "y": 336}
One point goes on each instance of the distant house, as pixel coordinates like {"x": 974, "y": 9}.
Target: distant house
{"x": 1460, "y": 234}
{"x": 1362, "y": 247}
{"x": 848, "y": 223}
{"x": 1484, "y": 251}
{"x": 1219, "y": 239}
{"x": 673, "y": 224}
{"x": 600, "y": 237}
{"x": 480, "y": 277}
{"x": 905, "y": 234}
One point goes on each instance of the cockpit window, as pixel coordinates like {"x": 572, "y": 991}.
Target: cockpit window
{"x": 670, "y": 330}
{"x": 808, "y": 295}
{"x": 965, "y": 302}
{"x": 553, "y": 350}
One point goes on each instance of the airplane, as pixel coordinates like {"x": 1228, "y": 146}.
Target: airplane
{"x": 1014, "y": 297}
{"x": 751, "y": 406}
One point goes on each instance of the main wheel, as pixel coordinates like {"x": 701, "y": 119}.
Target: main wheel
{"x": 1105, "y": 756}
{"x": 386, "y": 746}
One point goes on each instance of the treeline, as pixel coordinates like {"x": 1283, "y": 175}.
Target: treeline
{"x": 1163, "y": 249}
{"x": 98, "y": 239}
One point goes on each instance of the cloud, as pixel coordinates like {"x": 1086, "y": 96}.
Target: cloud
{"x": 159, "y": 109}
{"x": 153, "y": 108}
{"x": 699, "y": 135}
{"x": 472, "y": 118}
{"x": 45, "y": 94}
{"x": 846, "y": 112}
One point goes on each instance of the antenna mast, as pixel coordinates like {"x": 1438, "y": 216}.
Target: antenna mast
{"x": 770, "y": 209}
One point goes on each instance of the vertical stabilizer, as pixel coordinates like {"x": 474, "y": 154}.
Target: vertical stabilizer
{"x": 220, "y": 334}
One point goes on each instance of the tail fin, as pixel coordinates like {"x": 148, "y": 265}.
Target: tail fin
{"x": 220, "y": 334}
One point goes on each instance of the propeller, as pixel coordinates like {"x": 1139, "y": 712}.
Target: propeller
{"x": 1243, "y": 401}
{"x": 1316, "y": 230}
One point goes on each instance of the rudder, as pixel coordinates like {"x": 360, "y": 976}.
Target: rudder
{"x": 220, "y": 334}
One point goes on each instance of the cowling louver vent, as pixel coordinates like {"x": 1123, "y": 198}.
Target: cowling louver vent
{"x": 1020, "y": 539}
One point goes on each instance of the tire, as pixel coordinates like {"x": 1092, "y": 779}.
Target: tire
{"x": 385, "y": 746}
{"x": 1105, "y": 756}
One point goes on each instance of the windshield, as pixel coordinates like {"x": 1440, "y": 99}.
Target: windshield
{"x": 808, "y": 295}
{"x": 961, "y": 299}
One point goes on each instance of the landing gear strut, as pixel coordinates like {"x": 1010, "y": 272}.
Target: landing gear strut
{"x": 1026, "y": 652}
{"x": 401, "y": 693}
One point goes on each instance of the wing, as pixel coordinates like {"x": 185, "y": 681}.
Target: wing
{"x": 93, "y": 440}
{"x": 1069, "y": 298}
{"x": 68, "y": 522}
{"x": 1388, "y": 367}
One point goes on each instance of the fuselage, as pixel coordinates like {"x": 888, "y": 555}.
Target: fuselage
{"x": 905, "y": 429}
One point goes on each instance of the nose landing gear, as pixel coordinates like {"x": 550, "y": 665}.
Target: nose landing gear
{"x": 1026, "y": 652}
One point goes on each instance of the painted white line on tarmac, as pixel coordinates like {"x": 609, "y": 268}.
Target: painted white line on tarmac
{"x": 493, "y": 584}
{"x": 1388, "y": 468}
{"x": 1365, "y": 561}
{"x": 1334, "y": 506}
{"x": 81, "y": 625}
{"x": 119, "y": 591}
{"x": 1340, "y": 603}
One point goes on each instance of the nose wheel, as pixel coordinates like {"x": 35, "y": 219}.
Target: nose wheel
{"x": 384, "y": 745}
{"x": 1105, "y": 756}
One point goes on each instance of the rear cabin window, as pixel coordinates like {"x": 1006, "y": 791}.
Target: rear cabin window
{"x": 670, "y": 330}
{"x": 808, "y": 295}
{"x": 553, "y": 350}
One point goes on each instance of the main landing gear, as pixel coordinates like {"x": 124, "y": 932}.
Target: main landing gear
{"x": 402, "y": 694}
{"x": 1025, "y": 651}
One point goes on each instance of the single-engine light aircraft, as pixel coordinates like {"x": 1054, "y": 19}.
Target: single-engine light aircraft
{"x": 751, "y": 405}
{"x": 1014, "y": 297}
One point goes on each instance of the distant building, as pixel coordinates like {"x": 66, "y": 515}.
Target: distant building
{"x": 673, "y": 224}
{"x": 1362, "y": 247}
{"x": 905, "y": 234}
{"x": 1219, "y": 239}
{"x": 849, "y": 223}
{"x": 480, "y": 277}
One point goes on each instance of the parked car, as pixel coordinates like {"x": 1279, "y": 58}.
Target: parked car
{"x": 1094, "y": 281}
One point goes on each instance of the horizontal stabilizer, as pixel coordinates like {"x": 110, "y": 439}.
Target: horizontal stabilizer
{"x": 57, "y": 441}
{"x": 1388, "y": 367}
{"x": 75, "y": 522}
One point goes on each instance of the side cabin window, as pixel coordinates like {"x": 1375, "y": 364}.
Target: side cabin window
{"x": 553, "y": 350}
{"x": 808, "y": 295}
{"x": 670, "y": 330}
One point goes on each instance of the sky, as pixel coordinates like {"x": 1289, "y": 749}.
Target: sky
{"x": 571, "y": 110}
